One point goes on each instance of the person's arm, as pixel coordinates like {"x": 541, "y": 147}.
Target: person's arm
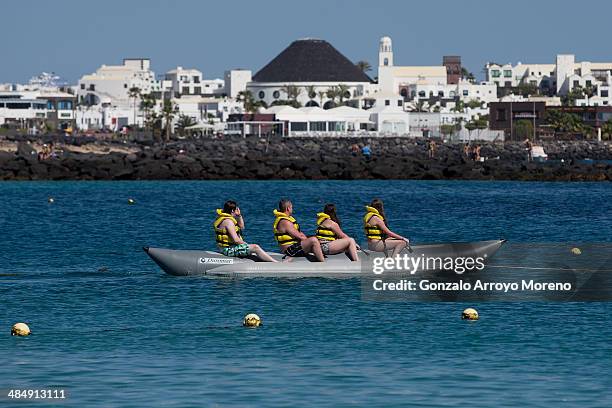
{"x": 332, "y": 225}
{"x": 287, "y": 227}
{"x": 231, "y": 231}
{"x": 239, "y": 219}
{"x": 376, "y": 221}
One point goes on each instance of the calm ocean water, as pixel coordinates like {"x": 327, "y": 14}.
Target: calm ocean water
{"x": 113, "y": 330}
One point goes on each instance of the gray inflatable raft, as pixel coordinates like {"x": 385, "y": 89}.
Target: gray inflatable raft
{"x": 198, "y": 262}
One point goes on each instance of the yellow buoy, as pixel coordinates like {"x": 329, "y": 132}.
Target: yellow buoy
{"x": 576, "y": 251}
{"x": 251, "y": 320}
{"x": 51, "y": 200}
{"x": 469, "y": 314}
{"x": 20, "y": 329}
{"x": 131, "y": 201}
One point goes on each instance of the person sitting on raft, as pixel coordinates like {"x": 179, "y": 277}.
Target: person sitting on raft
{"x": 333, "y": 240}
{"x": 380, "y": 237}
{"x": 290, "y": 239}
{"x": 228, "y": 233}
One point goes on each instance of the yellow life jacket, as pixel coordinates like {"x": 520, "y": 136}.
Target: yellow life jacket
{"x": 322, "y": 232}
{"x": 221, "y": 235}
{"x": 282, "y": 238}
{"x": 372, "y": 231}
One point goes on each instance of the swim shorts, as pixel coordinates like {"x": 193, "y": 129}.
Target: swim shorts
{"x": 239, "y": 251}
{"x": 325, "y": 247}
{"x": 295, "y": 250}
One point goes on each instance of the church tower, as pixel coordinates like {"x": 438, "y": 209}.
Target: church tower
{"x": 385, "y": 53}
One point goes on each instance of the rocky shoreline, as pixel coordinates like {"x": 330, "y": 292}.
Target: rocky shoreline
{"x": 303, "y": 158}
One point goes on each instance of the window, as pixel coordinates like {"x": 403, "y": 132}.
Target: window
{"x": 508, "y": 84}
{"x": 386, "y": 62}
{"x": 576, "y": 84}
{"x": 387, "y": 102}
{"x": 196, "y": 79}
{"x": 501, "y": 115}
{"x": 421, "y": 94}
{"x": 276, "y": 94}
{"x": 507, "y": 73}
{"x": 466, "y": 92}
{"x": 82, "y": 86}
{"x": 92, "y": 87}
{"x": 317, "y": 126}
{"x": 603, "y": 93}
{"x": 400, "y": 103}
{"x": 261, "y": 94}
{"x": 588, "y": 83}
{"x": 50, "y": 105}
{"x": 533, "y": 82}
{"x": 64, "y": 105}
{"x": 185, "y": 90}
{"x": 299, "y": 126}
{"x": 495, "y": 73}
{"x": 197, "y": 90}
{"x": 125, "y": 86}
{"x": 404, "y": 92}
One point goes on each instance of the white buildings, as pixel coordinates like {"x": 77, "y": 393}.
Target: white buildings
{"x": 313, "y": 67}
{"x": 416, "y": 83}
{"x": 111, "y": 84}
{"x": 236, "y": 81}
{"x": 191, "y": 82}
{"x": 41, "y": 102}
{"x": 558, "y": 78}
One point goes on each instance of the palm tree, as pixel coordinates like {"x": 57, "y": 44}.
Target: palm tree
{"x": 364, "y": 66}
{"x": 147, "y": 103}
{"x": 333, "y": 93}
{"x": 169, "y": 110}
{"x": 321, "y": 95}
{"x": 248, "y": 101}
{"x": 184, "y": 122}
{"x": 292, "y": 92}
{"x": 134, "y": 93}
{"x": 343, "y": 90}
{"x": 311, "y": 91}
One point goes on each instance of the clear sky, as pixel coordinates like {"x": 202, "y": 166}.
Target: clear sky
{"x": 72, "y": 37}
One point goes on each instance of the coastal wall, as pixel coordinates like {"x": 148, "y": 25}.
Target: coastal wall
{"x": 297, "y": 158}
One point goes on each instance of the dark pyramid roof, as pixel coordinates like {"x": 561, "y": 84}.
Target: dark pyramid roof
{"x": 310, "y": 61}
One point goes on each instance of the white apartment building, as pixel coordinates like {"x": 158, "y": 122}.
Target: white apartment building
{"x": 558, "y": 78}
{"x": 111, "y": 84}
{"x": 236, "y": 81}
{"x": 191, "y": 82}
{"x": 424, "y": 82}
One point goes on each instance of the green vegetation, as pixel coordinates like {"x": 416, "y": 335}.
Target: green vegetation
{"x": 523, "y": 129}
{"x": 184, "y": 122}
{"x": 527, "y": 89}
{"x": 364, "y": 66}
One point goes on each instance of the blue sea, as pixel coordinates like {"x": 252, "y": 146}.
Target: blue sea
{"x": 111, "y": 329}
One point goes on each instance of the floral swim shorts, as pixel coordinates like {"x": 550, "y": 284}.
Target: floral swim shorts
{"x": 239, "y": 251}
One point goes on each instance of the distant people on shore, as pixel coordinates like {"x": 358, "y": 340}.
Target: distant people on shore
{"x": 366, "y": 151}
{"x": 46, "y": 152}
{"x": 529, "y": 147}
{"x": 355, "y": 150}
{"x": 431, "y": 148}
{"x": 333, "y": 240}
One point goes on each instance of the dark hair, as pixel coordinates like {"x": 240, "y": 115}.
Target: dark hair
{"x": 284, "y": 204}
{"x": 229, "y": 206}
{"x": 378, "y": 204}
{"x": 330, "y": 209}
